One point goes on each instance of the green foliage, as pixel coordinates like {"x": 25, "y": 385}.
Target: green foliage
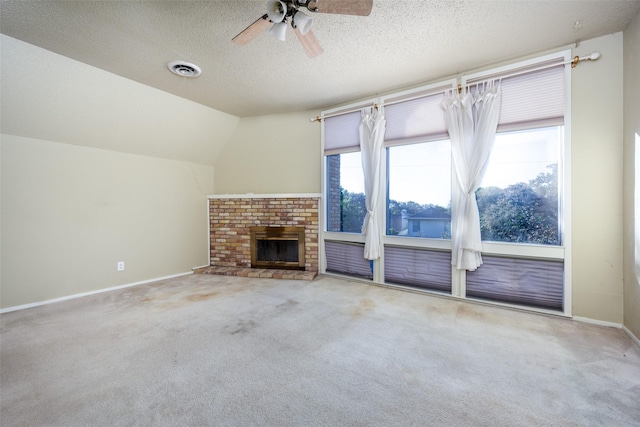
{"x": 487, "y": 197}
{"x": 354, "y": 208}
{"x": 353, "y": 211}
{"x": 522, "y": 212}
{"x": 412, "y": 208}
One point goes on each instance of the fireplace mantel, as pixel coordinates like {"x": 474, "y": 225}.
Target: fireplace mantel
{"x": 265, "y": 196}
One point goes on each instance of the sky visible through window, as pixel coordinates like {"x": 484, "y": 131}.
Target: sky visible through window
{"x": 516, "y": 157}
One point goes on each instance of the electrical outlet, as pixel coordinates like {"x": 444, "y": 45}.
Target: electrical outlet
{"x": 120, "y": 265}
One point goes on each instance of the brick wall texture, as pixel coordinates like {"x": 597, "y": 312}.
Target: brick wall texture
{"x": 230, "y": 220}
{"x": 334, "y": 220}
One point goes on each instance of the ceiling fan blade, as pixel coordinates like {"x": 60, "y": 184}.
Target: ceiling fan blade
{"x": 341, "y": 7}
{"x": 252, "y": 31}
{"x": 310, "y": 43}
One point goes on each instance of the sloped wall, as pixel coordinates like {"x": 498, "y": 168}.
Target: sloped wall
{"x": 53, "y": 98}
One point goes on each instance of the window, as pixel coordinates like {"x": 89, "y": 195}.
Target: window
{"x": 344, "y": 185}
{"x": 345, "y": 193}
{"x": 636, "y": 213}
{"x": 518, "y": 199}
{"x": 419, "y": 190}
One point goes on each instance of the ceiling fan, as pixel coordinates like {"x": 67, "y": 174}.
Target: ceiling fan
{"x": 279, "y": 12}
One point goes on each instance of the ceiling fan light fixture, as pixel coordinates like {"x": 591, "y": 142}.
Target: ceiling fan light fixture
{"x": 279, "y": 31}
{"x": 276, "y": 10}
{"x": 302, "y": 22}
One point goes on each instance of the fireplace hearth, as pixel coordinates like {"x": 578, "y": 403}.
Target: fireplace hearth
{"x": 278, "y": 247}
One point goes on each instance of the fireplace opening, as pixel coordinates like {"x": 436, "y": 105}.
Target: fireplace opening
{"x": 277, "y": 247}
{"x": 277, "y": 250}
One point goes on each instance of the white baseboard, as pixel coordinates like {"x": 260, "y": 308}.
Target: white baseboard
{"x": 84, "y": 294}
{"x": 612, "y": 325}
{"x": 631, "y": 335}
{"x": 597, "y": 322}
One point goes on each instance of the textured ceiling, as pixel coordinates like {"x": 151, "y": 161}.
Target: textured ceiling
{"x": 402, "y": 43}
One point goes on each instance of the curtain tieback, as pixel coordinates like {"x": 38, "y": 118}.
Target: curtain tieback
{"x": 367, "y": 220}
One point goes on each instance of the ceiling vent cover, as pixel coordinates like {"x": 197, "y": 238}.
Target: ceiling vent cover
{"x": 184, "y": 69}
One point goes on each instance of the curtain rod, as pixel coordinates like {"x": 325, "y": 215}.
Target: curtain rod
{"x": 574, "y": 62}
{"x": 341, "y": 112}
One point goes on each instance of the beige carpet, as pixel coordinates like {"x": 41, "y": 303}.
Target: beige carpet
{"x": 232, "y": 351}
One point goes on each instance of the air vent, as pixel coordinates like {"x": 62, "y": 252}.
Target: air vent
{"x": 184, "y": 69}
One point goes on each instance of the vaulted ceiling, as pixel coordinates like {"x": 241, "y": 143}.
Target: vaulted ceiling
{"x": 401, "y": 43}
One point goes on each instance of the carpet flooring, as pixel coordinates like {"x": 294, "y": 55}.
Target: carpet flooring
{"x": 207, "y": 350}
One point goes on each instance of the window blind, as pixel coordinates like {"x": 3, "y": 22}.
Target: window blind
{"x": 341, "y": 133}
{"x": 414, "y": 120}
{"x": 418, "y": 268}
{"x": 532, "y": 99}
{"x": 348, "y": 259}
{"x": 529, "y": 282}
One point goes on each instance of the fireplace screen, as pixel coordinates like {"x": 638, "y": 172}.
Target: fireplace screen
{"x": 277, "y": 247}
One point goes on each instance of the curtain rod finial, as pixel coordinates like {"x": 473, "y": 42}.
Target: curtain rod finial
{"x": 591, "y": 57}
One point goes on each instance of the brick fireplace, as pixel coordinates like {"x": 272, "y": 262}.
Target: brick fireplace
{"x": 231, "y": 218}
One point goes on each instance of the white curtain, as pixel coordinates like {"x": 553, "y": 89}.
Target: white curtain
{"x": 472, "y": 119}
{"x": 372, "y": 126}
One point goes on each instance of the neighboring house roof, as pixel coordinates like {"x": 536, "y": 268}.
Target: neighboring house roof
{"x": 430, "y": 214}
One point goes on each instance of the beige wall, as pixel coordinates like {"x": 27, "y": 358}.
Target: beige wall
{"x": 277, "y": 153}
{"x": 631, "y": 142}
{"x": 596, "y": 114}
{"x": 97, "y": 169}
{"x": 70, "y": 213}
